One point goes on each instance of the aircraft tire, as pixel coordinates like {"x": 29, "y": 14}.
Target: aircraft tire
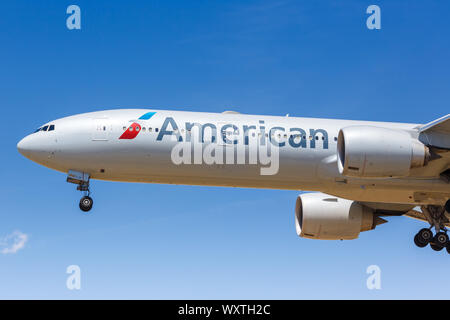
{"x": 425, "y": 235}
{"x": 86, "y": 203}
{"x": 436, "y": 247}
{"x": 418, "y": 242}
{"x": 440, "y": 239}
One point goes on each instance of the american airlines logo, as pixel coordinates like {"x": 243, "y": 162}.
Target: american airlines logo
{"x": 133, "y": 130}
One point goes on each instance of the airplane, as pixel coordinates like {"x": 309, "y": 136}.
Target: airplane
{"x": 358, "y": 172}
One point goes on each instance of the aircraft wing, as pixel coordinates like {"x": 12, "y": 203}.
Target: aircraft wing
{"x": 407, "y": 210}
{"x": 388, "y": 208}
{"x": 416, "y": 214}
{"x": 436, "y": 133}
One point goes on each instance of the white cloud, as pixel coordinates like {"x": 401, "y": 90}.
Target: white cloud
{"x": 13, "y": 242}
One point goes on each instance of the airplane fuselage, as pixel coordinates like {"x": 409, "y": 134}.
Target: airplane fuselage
{"x": 137, "y": 145}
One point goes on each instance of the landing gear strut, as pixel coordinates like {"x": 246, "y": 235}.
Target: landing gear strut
{"x": 436, "y": 216}
{"x": 82, "y": 180}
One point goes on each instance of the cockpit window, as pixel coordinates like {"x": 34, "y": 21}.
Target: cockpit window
{"x": 46, "y": 128}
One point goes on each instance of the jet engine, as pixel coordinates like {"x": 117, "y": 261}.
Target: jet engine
{"x": 366, "y": 151}
{"x": 325, "y": 217}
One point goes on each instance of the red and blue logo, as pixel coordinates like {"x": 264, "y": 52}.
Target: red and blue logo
{"x": 134, "y": 129}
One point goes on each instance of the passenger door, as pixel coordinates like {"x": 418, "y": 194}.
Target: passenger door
{"x": 100, "y": 129}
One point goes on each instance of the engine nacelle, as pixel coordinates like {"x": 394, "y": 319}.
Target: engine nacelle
{"x": 325, "y": 217}
{"x": 366, "y": 151}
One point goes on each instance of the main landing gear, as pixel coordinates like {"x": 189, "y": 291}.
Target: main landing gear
{"x": 438, "y": 217}
{"x": 82, "y": 180}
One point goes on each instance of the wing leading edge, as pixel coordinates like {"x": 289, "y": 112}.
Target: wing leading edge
{"x": 436, "y": 133}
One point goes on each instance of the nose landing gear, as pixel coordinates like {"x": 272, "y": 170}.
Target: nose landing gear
{"x": 82, "y": 180}
{"x": 437, "y": 218}
{"x": 86, "y": 203}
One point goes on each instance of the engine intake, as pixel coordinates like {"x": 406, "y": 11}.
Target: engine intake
{"x": 366, "y": 151}
{"x": 325, "y": 217}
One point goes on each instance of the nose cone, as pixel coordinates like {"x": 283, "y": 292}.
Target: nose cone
{"x": 38, "y": 148}
{"x": 25, "y": 147}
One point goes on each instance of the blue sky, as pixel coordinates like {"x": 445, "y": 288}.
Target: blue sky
{"x": 305, "y": 58}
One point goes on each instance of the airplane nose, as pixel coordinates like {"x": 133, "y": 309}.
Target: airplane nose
{"x": 38, "y": 148}
{"x": 24, "y": 146}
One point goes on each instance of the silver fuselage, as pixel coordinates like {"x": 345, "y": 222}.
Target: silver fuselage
{"x": 92, "y": 143}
